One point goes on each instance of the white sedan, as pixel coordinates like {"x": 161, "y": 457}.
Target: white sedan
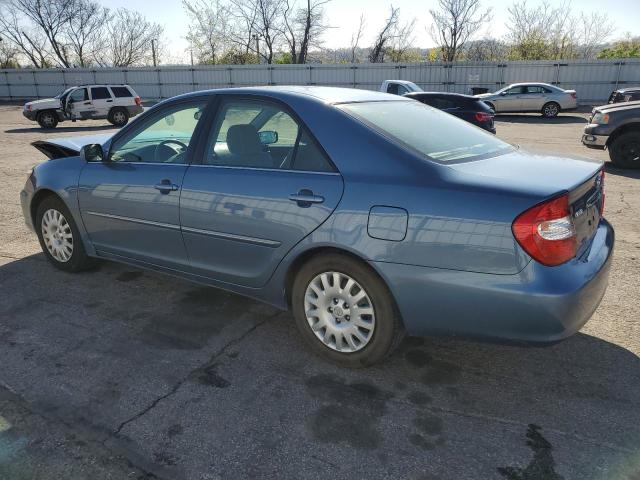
{"x": 547, "y": 99}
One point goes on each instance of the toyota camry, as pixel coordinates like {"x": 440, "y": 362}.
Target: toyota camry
{"x": 368, "y": 215}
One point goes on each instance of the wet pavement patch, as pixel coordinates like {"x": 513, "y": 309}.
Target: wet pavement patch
{"x": 419, "y": 398}
{"x": 209, "y": 376}
{"x": 541, "y": 466}
{"x": 434, "y": 372}
{"x": 350, "y": 412}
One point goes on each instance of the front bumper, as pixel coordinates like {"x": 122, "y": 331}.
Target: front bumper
{"x": 540, "y": 304}
{"x": 595, "y": 136}
{"x": 30, "y": 114}
{"x": 26, "y": 195}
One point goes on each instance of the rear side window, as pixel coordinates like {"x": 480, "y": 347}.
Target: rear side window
{"x": 100, "y": 93}
{"x": 121, "y": 92}
{"x": 437, "y": 135}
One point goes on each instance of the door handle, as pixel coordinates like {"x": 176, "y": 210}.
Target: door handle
{"x": 109, "y": 101}
{"x": 87, "y": 103}
{"x": 165, "y": 186}
{"x": 305, "y": 198}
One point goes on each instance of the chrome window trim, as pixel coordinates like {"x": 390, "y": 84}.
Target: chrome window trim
{"x": 262, "y": 169}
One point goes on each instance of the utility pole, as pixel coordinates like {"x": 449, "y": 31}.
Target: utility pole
{"x": 256, "y": 37}
{"x": 153, "y": 52}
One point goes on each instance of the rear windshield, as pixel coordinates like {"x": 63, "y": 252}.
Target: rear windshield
{"x": 435, "y": 134}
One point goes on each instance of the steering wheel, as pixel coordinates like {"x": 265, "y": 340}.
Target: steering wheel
{"x": 167, "y": 143}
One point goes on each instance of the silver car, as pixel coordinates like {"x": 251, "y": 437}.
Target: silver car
{"x": 547, "y": 99}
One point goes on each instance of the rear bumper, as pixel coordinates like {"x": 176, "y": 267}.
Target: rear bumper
{"x": 540, "y": 304}
{"x": 135, "y": 110}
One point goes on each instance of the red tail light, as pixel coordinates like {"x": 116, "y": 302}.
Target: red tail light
{"x": 546, "y": 232}
{"x": 483, "y": 116}
{"x": 138, "y": 101}
{"x": 574, "y": 94}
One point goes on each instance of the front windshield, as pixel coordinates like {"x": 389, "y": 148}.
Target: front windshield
{"x": 431, "y": 132}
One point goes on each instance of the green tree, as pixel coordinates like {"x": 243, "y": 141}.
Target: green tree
{"x": 627, "y": 48}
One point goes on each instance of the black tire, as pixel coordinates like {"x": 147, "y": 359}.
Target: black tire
{"x": 118, "y": 116}
{"x": 388, "y": 330}
{"x": 550, "y": 110}
{"x": 78, "y": 260}
{"x": 624, "y": 151}
{"x": 48, "y": 119}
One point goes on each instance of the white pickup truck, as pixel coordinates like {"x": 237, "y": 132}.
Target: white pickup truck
{"x": 399, "y": 87}
{"x": 116, "y": 103}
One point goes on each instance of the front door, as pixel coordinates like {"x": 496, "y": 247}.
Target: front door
{"x": 512, "y": 100}
{"x": 79, "y": 104}
{"x": 262, "y": 185}
{"x": 130, "y": 202}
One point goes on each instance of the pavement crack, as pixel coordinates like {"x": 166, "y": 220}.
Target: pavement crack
{"x": 189, "y": 375}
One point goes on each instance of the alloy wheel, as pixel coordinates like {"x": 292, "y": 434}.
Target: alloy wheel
{"x": 118, "y": 117}
{"x": 57, "y": 235}
{"x": 339, "y": 312}
{"x": 550, "y": 110}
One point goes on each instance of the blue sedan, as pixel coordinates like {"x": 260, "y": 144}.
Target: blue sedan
{"x": 367, "y": 214}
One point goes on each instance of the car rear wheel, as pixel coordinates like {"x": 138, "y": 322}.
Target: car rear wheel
{"x": 118, "y": 117}
{"x": 345, "y": 312}
{"x": 550, "y": 110}
{"x": 59, "y": 236}
{"x": 48, "y": 119}
{"x": 624, "y": 151}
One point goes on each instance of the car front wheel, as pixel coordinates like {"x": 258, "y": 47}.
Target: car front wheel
{"x": 624, "y": 151}
{"x": 59, "y": 236}
{"x": 48, "y": 119}
{"x": 345, "y": 311}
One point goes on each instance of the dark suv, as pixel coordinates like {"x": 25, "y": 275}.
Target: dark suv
{"x": 468, "y": 108}
{"x": 629, "y": 94}
{"x": 616, "y": 127}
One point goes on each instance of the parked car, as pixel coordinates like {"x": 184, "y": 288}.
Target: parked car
{"x": 547, "y": 99}
{"x": 116, "y": 103}
{"x": 616, "y": 127}
{"x": 466, "y": 107}
{"x": 399, "y": 87}
{"x": 368, "y": 215}
{"x": 629, "y": 94}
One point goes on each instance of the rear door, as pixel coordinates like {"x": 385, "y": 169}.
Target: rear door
{"x": 250, "y": 199}
{"x": 534, "y": 98}
{"x": 102, "y": 101}
{"x": 78, "y": 104}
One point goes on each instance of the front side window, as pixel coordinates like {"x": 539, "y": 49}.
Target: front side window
{"x": 517, "y": 91}
{"x": 255, "y": 134}
{"x": 100, "y": 93}
{"x": 162, "y": 138}
{"x": 427, "y": 131}
{"x": 79, "y": 95}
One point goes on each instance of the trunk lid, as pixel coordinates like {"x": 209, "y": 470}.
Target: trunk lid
{"x": 541, "y": 177}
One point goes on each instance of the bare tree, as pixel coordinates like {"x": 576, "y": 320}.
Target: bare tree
{"x": 130, "y": 38}
{"x": 28, "y": 40}
{"x": 356, "y": 37}
{"x": 485, "y": 50}
{"x": 592, "y": 32}
{"x": 51, "y": 17}
{"x": 384, "y": 36}
{"x": 85, "y": 31}
{"x": 209, "y": 30}
{"x": 401, "y": 40}
{"x": 454, "y": 23}
{"x": 264, "y": 21}
{"x": 8, "y": 54}
{"x": 303, "y": 27}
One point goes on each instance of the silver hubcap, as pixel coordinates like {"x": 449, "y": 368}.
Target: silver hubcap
{"x": 339, "y": 311}
{"x": 57, "y": 235}
{"x": 118, "y": 117}
{"x": 47, "y": 119}
{"x": 550, "y": 110}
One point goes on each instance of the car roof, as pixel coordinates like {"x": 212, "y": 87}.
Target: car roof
{"x": 460, "y": 96}
{"x": 542, "y": 84}
{"x": 628, "y": 89}
{"x": 326, "y": 95}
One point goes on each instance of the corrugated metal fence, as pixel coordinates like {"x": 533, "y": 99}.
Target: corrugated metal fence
{"x": 594, "y": 80}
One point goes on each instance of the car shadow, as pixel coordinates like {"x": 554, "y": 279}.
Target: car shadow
{"x": 611, "y": 169}
{"x": 62, "y": 129}
{"x": 538, "y": 119}
{"x": 244, "y": 364}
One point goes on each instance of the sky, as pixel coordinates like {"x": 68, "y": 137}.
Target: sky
{"x": 343, "y": 17}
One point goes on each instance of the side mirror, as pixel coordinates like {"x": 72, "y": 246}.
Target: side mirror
{"x": 92, "y": 153}
{"x": 268, "y": 137}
